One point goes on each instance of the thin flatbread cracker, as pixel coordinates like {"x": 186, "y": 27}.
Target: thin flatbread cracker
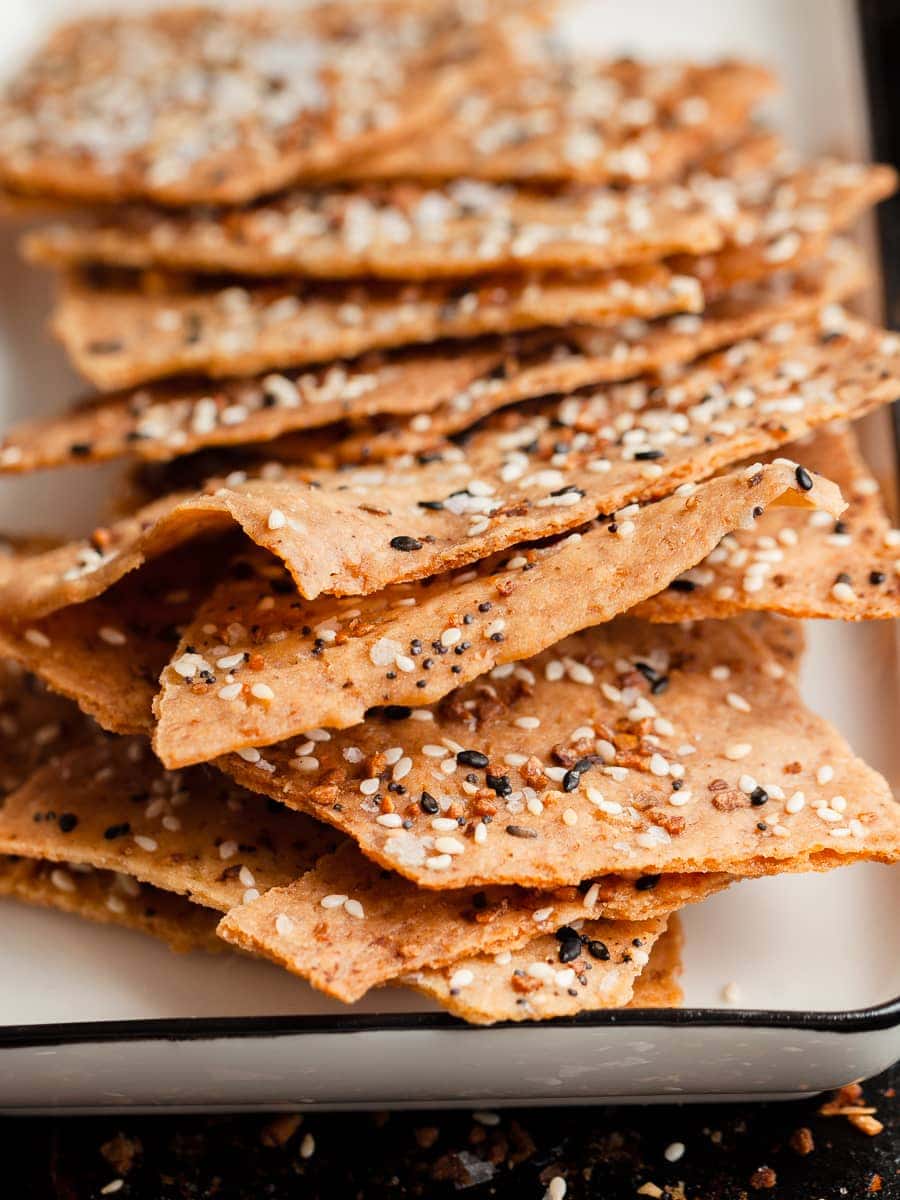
{"x": 784, "y": 638}
{"x": 555, "y": 363}
{"x": 563, "y": 117}
{"x": 348, "y": 925}
{"x": 121, "y": 332}
{"x": 354, "y": 532}
{"x": 202, "y": 105}
{"x": 653, "y": 748}
{"x": 110, "y": 898}
{"x": 811, "y": 567}
{"x": 430, "y": 393}
{"x": 112, "y": 806}
{"x": 36, "y": 725}
{"x": 107, "y": 655}
{"x": 257, "y": 665}
{"x": 658, "y": 985}
{"x": 409, "y": 231}
{"x": 394, "y": 231}
{"x": 537, "y": 981}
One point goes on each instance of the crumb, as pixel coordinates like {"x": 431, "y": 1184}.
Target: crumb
{"x": 763, "y": 1178}
{"x": 801, "y": 1141}
{"x": 281, "y": 1130}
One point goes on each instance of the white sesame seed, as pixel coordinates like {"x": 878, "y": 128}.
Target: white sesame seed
{"x": 334, "y": 900}
{"x": 283, "y": 925}
{"x": 114, "y": 1185}
{"x": 262, "y": 691}
{"x": 391, "y": 820}
{"x": 825, "y": 774}
{"x": 556, "y": 1188}
{"x": 146, "y": 843}
{"x": 369, "y": 787}
{"x": 37, "y": 638}
{"x": 62, "y": 880}
{"x": 481, "y": 833}
{"x": 439, "y": 862}
{"x": 113, "y": 637}
{"x": 306, "y": 762}
{"x": 249, "y": 754}
{"x": 461, "y": 978}
{"x": 674, "y": 1151}
{"x": 448, "y": 845}
{"x": 450, "y": 636}
{"x": 527, "y": 722}
{"x": 227, "y": 849}
{"x": 731, "y": 993}
{"x": 843, "y": 592}
{"x": 277, "y": 519}
{"x": 542, "y": 914}
{"x": 307, "y": 1146}
{"x": 738, "y": 750}
{"x": 230, "y": 691}
{"x": 570, "y": 817}
{"x": 738, "y": 702}
{"x": 353, "y": 908}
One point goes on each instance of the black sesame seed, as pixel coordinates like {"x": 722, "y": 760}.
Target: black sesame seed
{"x": 758, "y": 797}
{"x": 840, "y": 527}
{"x": 647, "y": 455}
{"x": 598, "y": 949}
{"x": 67, "y": 822}
{"x": 485, "y": 606}
{"x": 569, "y": 948}
{"x": 434, "y": 505}
{"x": 804, "y": 479}
{"x": 877, "y": 577}
{"x": 428, "y": 804}
{"x": 116, "y": 831}
{"x": 405, "y": 543}
{"x": 499, "y": 784}
{"x": 758, "y": 511}
{"x": 521, "y": 831}
{"x": 682, "y": 585}
{"x": 80, "y": 449}
{"x": 472, "y": 758}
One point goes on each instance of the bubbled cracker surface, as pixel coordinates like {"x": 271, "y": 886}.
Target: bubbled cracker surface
{"x": 631, "y": 746}
{"x": 257, "y": 664}
{"x": 122, "y": 332}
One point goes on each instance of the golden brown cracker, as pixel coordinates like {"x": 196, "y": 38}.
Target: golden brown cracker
{"x": 395, "y": 231}
{"x": 110, "y": 899}
{"x": 812, "y": 567}
{"x": 122, "y": 332}
{"x": 201, "y": 105}
{"x": 652, "y": 748}
{"x": 658, "y": 985}
{"x": 257, "y": 664}
{"x": 540, "y": 981}
{"x": 562, "y": 117}
{"x": 111, "y": 805}
{"x": 415, "y": 398}
{"x": 349, "y": 925}
{"x": 353, "y": 532}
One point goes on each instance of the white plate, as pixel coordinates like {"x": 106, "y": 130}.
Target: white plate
{"x": 96, "y": 1018}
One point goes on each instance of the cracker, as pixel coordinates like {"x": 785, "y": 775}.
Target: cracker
{"x": 536, "y": 982}
{"x": 561, "y": 362}
{"x": 658, "y": 985}
{"x": 810, "y": 567}
{"x": 35, "y": 725}
{"x": 203, "y": 105}
{"x": 652, "y": 748}
{"x": 107, "y": 655}
{"x": 122, "y": 332}
{"x": 257, "y": 665}
{"x": 110, "y": 804}
{"x": 395, "y": 231}
{"x": 433, "y": 392}
{"x": 784, "y": 638}
{"x": 392, "y": 927}
{"x": 110, "y": 899}
{"x": 565, "y": 117}
{"x": 356, "y": 531}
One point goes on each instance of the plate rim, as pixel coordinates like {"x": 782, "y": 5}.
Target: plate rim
{"x": 874, "y": 1019}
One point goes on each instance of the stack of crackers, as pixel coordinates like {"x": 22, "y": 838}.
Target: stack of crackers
{"x": 489, "y": 412}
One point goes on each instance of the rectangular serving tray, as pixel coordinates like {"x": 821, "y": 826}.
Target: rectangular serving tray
{"x": 101, "y": 1019}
